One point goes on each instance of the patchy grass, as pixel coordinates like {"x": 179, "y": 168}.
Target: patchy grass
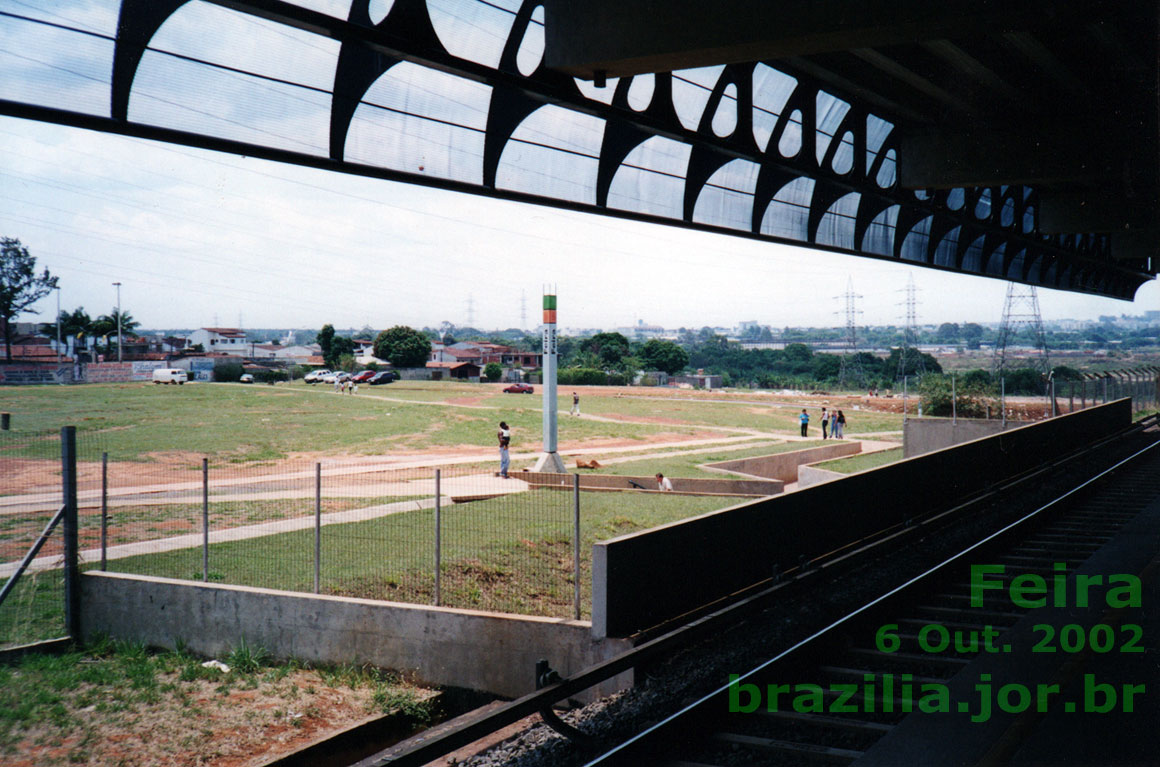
{"x": 34, "y": 610}
{"x": 241, "y": 424}
{"x": 119, "y": 704}
{"x": 511, "y": 553}
{"x": 862, "y": 461}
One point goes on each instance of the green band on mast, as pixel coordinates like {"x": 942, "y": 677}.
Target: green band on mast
{"x": 549, "y": 302}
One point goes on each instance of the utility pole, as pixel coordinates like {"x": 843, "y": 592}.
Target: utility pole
{"x": 58, "y": 324}
{"x": 851, "y": 369}
{"x": 1021, "y": 312}
{"x": 910, "y": 335}
{"x": 118, "y": 286}
{"x": 550, "y": 460}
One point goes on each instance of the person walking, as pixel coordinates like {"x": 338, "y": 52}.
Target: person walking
{"x": 805, "y": 419}
{"x": 505, "y": 439}
{"x": 575, "y": 404}
{"x": 839, "y": 425}
{"x": 825, "y": 422}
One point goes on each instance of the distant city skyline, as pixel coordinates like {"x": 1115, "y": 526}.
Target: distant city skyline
{"x": 193, "y": 235}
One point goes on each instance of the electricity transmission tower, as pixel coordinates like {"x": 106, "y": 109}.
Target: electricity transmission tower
{"x": 1021, "y": 315}
{"x": 910, "y": 334}
{"x": 523, "y": 310}
{"x": 470, "y": 310}
{"x": 851, "y": 370}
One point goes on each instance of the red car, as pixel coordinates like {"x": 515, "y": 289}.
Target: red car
{"x": 520, "y": 388}
{"x": 364, "y": 376}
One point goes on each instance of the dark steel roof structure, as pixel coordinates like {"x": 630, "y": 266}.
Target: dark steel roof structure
{"x": 1016, "y": 140}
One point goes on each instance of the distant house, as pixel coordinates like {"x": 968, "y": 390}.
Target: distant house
{"x": 462, "y": 370}
{"x": 222, "y": 340}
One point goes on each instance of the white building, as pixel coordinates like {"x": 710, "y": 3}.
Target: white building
{"x": 222, "y": 340}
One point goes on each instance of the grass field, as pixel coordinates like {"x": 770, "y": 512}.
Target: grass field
{"x": 859, "y": 462}
{"x": 511, "y": 553}
{"x": 232, "y": 423}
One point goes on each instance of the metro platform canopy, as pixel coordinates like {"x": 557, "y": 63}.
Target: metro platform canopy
{"x": 1017, "y": 140}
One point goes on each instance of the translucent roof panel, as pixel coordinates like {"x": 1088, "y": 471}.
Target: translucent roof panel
{"x": 554, "y": 153}
{"x": 474, "y": 30}
{"x": 726, "y": 199}
{"x": 879, "y": 236}
{"x": 837, "y": 225}
{"x": 651, "y": 180}
{"x": 691, "y": 91}
{"x": 771, "y": 92}
{"x": 53, "y": 67}
{"x": 422, "y": 121}
{"x": 788, "y": 214}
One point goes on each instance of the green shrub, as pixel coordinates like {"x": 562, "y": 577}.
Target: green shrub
{"x": 228, "y": 372}
{"x": 492, "y": 371}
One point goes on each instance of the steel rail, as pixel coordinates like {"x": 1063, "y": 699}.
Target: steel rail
{"x": 421, "y": 750}
{"x": 821, "y": 633}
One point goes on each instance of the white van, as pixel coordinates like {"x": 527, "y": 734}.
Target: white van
{"x": 169, "y": 376}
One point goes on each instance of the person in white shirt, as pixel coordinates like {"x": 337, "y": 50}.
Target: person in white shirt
{"x": 664, "y": 484}
{"x": 505, "y": 439}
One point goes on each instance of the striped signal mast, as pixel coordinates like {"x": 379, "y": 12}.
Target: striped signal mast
{"x": 550, "y": 460}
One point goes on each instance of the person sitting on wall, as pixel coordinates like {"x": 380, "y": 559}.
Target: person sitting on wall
{"x": 664, "y": 484}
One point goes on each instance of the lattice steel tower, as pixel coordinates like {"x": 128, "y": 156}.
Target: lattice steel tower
{"x": 851, "y": 370}
{"x": 1021, "y": 313}
{"x": 470, "y": 310}
{"x": 910, "y": 334}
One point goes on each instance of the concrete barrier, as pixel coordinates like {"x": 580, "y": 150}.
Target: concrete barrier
{"x": 812, "y": 475}
{"x": 784, "y": 466}
{"x": 490, "y": 652}
{"x": 683, "y": 485}
{"x": 642, "y": 579}
{"x": 925, "y": 435}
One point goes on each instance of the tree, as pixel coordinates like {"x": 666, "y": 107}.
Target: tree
{"x": 404, "y": 346}
{"x": 972, "y": 334}
{"x": 609, "y": 347}
{"x": 492, "y": 371}
{"x": 798, "y": 352}
{"x": 664, "y": 355}
{"x": 106, "y": 325}
{"x": 948, "y": 332}
{"x": 324, "y": 339}
{"x": 20, "y": 286}
{"x": 340, "y": 346}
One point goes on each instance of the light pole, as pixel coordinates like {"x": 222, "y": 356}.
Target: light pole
{"x": 118, "y": 286}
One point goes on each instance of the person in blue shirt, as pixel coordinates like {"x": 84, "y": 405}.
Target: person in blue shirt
{"x": 805, "y": 419}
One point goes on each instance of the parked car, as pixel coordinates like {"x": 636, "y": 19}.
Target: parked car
{"x": 382, "y": 377}
{"x": 519, "y": 388}
{"x": 169, "y": 376}
{"x": 246, "y": 378}
{"x": 316, "y": 376}
{"x": 363, "y": 376}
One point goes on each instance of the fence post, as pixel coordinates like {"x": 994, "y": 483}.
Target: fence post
{"x": 205, "y": 520}
{"x": 905, "y": 379}
{"x": 954, "y": 403}
{"x": 317, "y": 528}
{"x": 104, "y": 511}
{"x": 1054, "y": 410}
{"x": 576, "y": 543}
{"x": 1106, "y": 376}
{"x": 72, "y": 582}
{"x": 438, "y": 535}
{"x": 1003, "y": 399}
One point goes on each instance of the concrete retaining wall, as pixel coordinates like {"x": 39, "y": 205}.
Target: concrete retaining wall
{"x": 490, "y": 652}
{"x": 784, "y": 466}
{"x": 812, "y": 475}
{"x": 642, "y": 579}
{"x": 683, "y": 485}
{"x": 925, "y": 435}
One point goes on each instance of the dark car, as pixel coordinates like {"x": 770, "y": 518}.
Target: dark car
{"x": 520, "y": 388}
{"x": 365, "y": 375}
{"x": 382, "y": 377}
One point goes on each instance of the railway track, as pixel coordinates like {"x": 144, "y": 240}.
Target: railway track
{"x": 1050, "y": 522}
{"x": 843, "y": 695}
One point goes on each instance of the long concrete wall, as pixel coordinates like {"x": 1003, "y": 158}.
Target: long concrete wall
{"x": 490, "y": 652}
{"x": 756, "y": 488}
{"x": 812, "y": 475}
{"x": 925, "y": 435}
{"x": 642, "y": 579}
{"x": 784, "y": 466}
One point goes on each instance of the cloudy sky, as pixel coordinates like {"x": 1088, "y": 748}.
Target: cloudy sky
{"x": 198, "y": 238}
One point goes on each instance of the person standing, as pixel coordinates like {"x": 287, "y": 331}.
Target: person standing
{"x": 805, "y": 420}
{"x": 664, "y": 484}
{"x": 575, "y": 403}
{"x": 825, "y": 422}
{"x": 839, "y": 425}
{"x": 505, "y": 439}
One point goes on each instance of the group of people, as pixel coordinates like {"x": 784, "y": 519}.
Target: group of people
{"x": 345, "y": 387}
{"x": 833, "y": 423}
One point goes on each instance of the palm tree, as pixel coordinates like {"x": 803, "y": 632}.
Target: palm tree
{"x": 106, "y": 325}
{"x": 77, "y": 324}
